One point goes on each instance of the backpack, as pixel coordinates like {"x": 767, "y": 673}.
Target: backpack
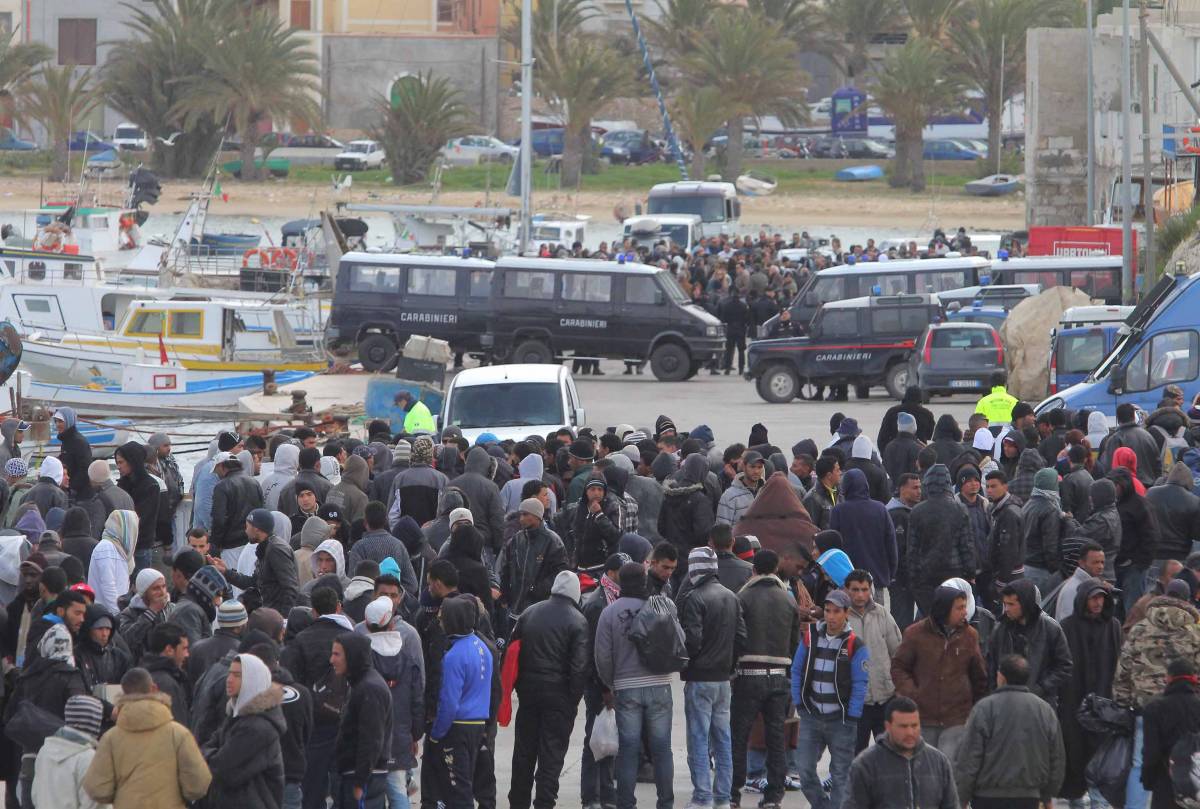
{"x": 658, "y": 637}
{"x": 1184, "y": 769}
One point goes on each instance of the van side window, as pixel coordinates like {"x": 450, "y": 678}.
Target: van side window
{"x": 429, "y": 281}
{"x": 586, "y": 287}
{"x": 481, "y": 284}
{"x": 375, "y": 278}
{"x": 1098, "y": 283}
{"x": 891, "y": 284}
{"x": 1169, "y": 357}
{"x": 940, "y": 281}
{"x": 641, "y": 290}
{"x": 523, "y": 284}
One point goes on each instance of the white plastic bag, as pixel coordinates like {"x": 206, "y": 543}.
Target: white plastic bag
{"x": 604, "y": 735}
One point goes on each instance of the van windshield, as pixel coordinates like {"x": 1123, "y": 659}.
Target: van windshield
{"x": 1079, "y": 353}
{"x": 677, "y": 234}
{"x": 708, "y": 208}
{"x": 506, "y": 404}
{"x": 672, "y": 288}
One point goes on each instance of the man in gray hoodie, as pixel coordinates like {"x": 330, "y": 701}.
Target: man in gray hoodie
{"x": 483, "y": 495}
{"x": 287, "y": 464}
{"x": 642, "y": 698}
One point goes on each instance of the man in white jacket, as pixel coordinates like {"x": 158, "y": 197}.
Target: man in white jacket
{"x": 64, "y": 758}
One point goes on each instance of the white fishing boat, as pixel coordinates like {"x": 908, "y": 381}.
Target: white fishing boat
{"x": 755, "y": 184}
{"x": 211, "y": 339}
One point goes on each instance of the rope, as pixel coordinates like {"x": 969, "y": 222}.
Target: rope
{"x": 672, "y": 141}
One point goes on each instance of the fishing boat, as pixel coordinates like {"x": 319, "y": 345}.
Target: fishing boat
{"x": 755, "y": 184}
{"x": 994, "y": 185}
{"x": 211, "y": 339}
{"x": 859, "y": 174}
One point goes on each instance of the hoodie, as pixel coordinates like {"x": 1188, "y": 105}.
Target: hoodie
{"x": 350, "y": 494}
{"x": 866, "y": 528}
{"x": 287, "y": 464}
{"x": 364, "y": 740}
{"x": 1103, "y": 524}
{"x": 9, "y": 448}
{"x": 246, "y": 755}
{"x": 687, "y": 513}
{"x": 530, "y": 468}
{"x": 437, "y": 532}
{"x": 1097, "y": 430}
{"x": 312, "y": 534}
{"x": 1021, "y": 485}
{"x": 466, "y": 680}
{"x": 947, "y": 439}
{"x": 1177, "y": 511}
{"x": 143, "y": 488}
{"x": 477, "y": 484}
{"x": 1124, "y": 458}
{"x": 1039, "y": 639}
{"x": 940, "y": 537}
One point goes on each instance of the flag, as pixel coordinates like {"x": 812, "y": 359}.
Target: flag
{"x": 162, "y": 351}
{"x": 217, "y": 191}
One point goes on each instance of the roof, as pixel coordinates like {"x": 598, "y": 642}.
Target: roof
{"x": 493, "y": 374}
{"x": 646, "y": 220}
{"x": 1095, "y": 314}
{"x": 692, "y": 188}
{"x": 574, "y": 265}
{"x": 963, "y": 324}
{"x": 416, "y": 260}
{"x": 916, "y": 299}
{"x": 908, "y": 265}
{"x": 1057, "y": 263}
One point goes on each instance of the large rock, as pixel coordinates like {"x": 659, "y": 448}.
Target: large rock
{"x": 1026, "y": 338}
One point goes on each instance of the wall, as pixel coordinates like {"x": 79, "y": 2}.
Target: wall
{"x": 359, "y": 70}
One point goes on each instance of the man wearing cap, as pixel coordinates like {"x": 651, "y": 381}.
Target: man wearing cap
{"x": 711, "y": 617}
{"x": 275, "y": 578}
{"x": 76, "y": 452}
{"x": 530, "y": 561}
{"x": 553, "y": 669}
{"x": 235, "y": 496}
{"x": 744, "y": 488}
{"x": 417, "y": 418}
{"x": 12, "y": 431}
{"x": 596, "y": 523}
{"x": 829, "y": 688}
{"x": 231, "y": 625}
{"x": 581, "y": 455}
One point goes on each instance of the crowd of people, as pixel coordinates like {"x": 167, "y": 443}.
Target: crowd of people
{"x": 351, "y": 620}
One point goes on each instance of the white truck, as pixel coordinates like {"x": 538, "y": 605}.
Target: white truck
{"x": 683, "y": 230}
{"x": 715, "y": 203}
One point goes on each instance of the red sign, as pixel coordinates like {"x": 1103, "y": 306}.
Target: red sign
{"x": 1078, "y": 242}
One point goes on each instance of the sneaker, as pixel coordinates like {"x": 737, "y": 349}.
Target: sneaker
{"x": 758, "y": 785}
{"x": 827, "y": 786}
{"x": 768, "y": 805}
{"x": 592, "y": 805}
{"x": 791, "y": 783}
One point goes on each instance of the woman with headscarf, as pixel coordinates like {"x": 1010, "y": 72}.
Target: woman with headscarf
{"x": 1139, "y": 537}
{"x": 75, "y": 454}
{"x": 145, "y": 489}
{"x": 113, "y": 559}
{"x": 245, "y": 755}
{"x": 1125, "y": 458}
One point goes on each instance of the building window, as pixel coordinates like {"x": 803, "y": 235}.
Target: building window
{"x": 77, "y": 42}
{"x": 302, "y": 15}
{"x": 445, "y": 10}
{"x": 6, "y": 22}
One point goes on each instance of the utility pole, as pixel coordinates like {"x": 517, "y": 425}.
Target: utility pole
{"x": 527, "y": 123}
{"x": 1147, "y": 167}
{"x": 1091, "y": 124}
{"x": 1126, "y": 161}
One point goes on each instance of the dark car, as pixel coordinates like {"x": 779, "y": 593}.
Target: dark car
{"x": 860, "y": 342}
{"x": 956, "y": 357}
{"x": 868, "y": 149}
{"x": 87, "y": 142}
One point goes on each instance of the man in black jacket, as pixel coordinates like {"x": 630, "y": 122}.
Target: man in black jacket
{"x": 1005, "y": 540}
{"x": 530, "y": 561}
{"x": 1177, "y": 511}
{"x": 1168, "y": 719}
{"x": 940, "y": 538}
{"x": 901, "y": 764}
{"x": 711, "y": 617}
{"x": 1075, "y": 487}
{"x": 166, "y": 655}
{"x": 275, "y": 581}
{"x": 735, "y": 314}
{"x": 75, "y": 454}
{"x": 1027, "y": 631}
{"x": 234, "y": 497}
{"x": 552, "y": 672}
{"x": 364, "y": 738}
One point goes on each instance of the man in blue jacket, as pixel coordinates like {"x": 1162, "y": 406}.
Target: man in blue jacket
{"x": 829, "y": 686}
{"x": 464, "y": 705}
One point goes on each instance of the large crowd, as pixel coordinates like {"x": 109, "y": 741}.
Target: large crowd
{"x": 995, "y": 615}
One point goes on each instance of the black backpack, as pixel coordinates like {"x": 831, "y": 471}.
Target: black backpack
{"x": 1185, "y": 770}
{"x": 658, "y": 637}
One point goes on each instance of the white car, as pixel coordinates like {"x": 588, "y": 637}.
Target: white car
{"x": 359, "y": 156}
{"x": 475, "y": 149}
{"x": 512, "y": 401}
{"x": 131, "y": 137}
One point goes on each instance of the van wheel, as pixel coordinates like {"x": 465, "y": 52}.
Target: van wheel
{"x": 896, "y": 380}
{"x": 534, "y": 352}
{"x": 694, "y": 369}
{"x": 670, "y": 363}
{"x": 377, "y": 353}
{"x": 778, "y": 384}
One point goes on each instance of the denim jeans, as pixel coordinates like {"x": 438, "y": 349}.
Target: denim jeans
{"x": 816, "y": 734}
{"x": 397, "y": 789}
{"x": 293, "y": 796}
{"x": 1136, "y": 797}
{"x": 768, "y": 694}
{"x": 756, "y": 763}
{"x": 1132, "y": 581}
{"x": 646, "y": 708}
{"x": 706, "y": 707}
{"x": 1045, "y": 580}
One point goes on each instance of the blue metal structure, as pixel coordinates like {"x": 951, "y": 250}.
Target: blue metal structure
{"x": 672, "y": 140}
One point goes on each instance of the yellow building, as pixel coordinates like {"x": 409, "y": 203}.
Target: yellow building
{"x": 392, "y": 17}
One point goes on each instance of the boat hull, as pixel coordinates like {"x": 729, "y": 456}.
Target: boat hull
{"x": 859, "y": 174}
{"x": 993, "y": 186}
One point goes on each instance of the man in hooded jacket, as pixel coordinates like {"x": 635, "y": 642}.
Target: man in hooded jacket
{"x": 364, "y": 740}
{"x": 478, "y": 484}
{"x": 144, "y": 488}
{"x": 12, "y": 431}
{"x": 287, "y": 463}
{"x": 1103, "y": 524}
{"x": 911, "y": 405}
{"x": 867, "y": 530}
{"x": 1041, "y": 525}
{"x": 1027, "y": 631}
{"x": 76, "y": 452}
{"x": 940, "y": 538}
{"x": 235, "y": 496}
{"x": 1178, "y": 516}
{"x": 350, "y": 494}
{"x": 688, "y": 512}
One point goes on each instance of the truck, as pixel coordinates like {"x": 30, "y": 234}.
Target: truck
{"x": 683, "y": 230}
{"x": 715, "y": 203}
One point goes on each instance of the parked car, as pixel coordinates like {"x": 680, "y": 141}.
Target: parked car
{"x": 360, "y": 155}
{"x": 87, "y": 142}
{"x": 308, "y": 149}
{"x": 11, "y": 143}
{"x": 956, "y": 357}
{"x": 546, "y": 142}
{"x": 868, "y": 149}
{"x": 473, "y": 149}
{"x": 131, "y": 137}
{"x": 512, "y": 401}
{"x": 948, "y": 150}
{"x": 637, "y": 146}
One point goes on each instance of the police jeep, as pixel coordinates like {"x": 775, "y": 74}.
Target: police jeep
{"x": 860, "y": 342}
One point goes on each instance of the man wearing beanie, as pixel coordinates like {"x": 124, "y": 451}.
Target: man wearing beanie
{"x": 195, "y": 607}
{"x": 900, "y": 454}
{"x": 275, "y": 582}
{"x": 150, "y": 606}
{"x": 642, "y": 698}
{"x": 231, "y": 625}
{"x": 1041, "y": 523}
{"x": 530, "y": 561}
{"x": 103, "y": 498}
{"x": 711, "y": 616}
{"x": 415, "y": 490}
{"x": 553, "y": 669}
{"x": 64, "y": 759}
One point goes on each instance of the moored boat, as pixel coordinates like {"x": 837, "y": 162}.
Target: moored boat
{"x": 994, "y": 185}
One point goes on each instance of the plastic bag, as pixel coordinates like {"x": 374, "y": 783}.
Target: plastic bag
{"x": 658, "y": 637}
{"x": 1185, "y": 770}
{"x": 30, "y": 726}
{"x": 1104, "y": 717}
{"x": 604, "y": 739}
{"x": 1108, "y": 769}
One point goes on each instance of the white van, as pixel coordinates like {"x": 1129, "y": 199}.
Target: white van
{"x": 512, "y": 401}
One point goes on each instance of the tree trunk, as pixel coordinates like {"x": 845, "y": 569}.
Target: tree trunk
{"x": 733, "y": 150}
{"x": 58, "y": 168}
{"x": 574, "y": 142}
{"x": 916, "y": 160}
{"x": 899, "y": 176}
{"x": 249, "y": 170}
{"x": 698, "y": 161}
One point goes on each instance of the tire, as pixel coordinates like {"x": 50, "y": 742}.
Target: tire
{"x": 377, "y": 352}
{"x": 778, "y": 384}
{"x": 670, "y": 362}
{"x": 694, "y": 369}
{"x": 862, "y": 391}
{"x": 896, "y": 380}
{"x": 534, "y": 352}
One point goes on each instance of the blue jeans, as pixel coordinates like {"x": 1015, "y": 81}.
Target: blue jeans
{"x": 816, "y": 734}
{"x": 1045, "y": 580}
{"x": 293, "y": 797}
{"x": 646, "y": 708}
{"x": 1132, "y": 581}
{"x": 756, "y": 763}
{"x": 397, "y": 789}
{"x": 706, "y": 707}
{"x": 1136, "y": 797}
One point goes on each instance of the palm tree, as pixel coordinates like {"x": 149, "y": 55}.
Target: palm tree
{"x": 916, "y": 81}
{"x": 59, "y": 101}
{"x": 257, "y": 71}
{"x": 18, "y": 61}
{"x": 844, "y": 19}
{"x": 801, "y": 21}
{"x": 752, "y": 65}
{"x": 931, "y": 19}
{"x": 422, "y": 114}
{"x": 577, "y": 77}
{"x": 551, "y": 19}
{"x": 989, "y": 50}
{"x": 697, "y": 112}
{"x": 144, "y": 77}
{"x": 680, "y": 24}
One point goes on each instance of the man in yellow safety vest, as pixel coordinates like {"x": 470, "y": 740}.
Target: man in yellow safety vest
{"x": 997, "y": 405}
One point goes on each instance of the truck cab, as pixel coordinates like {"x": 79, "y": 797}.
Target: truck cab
{"x": 683, "y": 230}
{"x": 715, "y": 203}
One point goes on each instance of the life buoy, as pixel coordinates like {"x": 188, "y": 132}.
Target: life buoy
{"x": 275, "y": 258}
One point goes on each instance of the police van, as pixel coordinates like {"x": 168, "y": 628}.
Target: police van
{"x": 546, "y": 309}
